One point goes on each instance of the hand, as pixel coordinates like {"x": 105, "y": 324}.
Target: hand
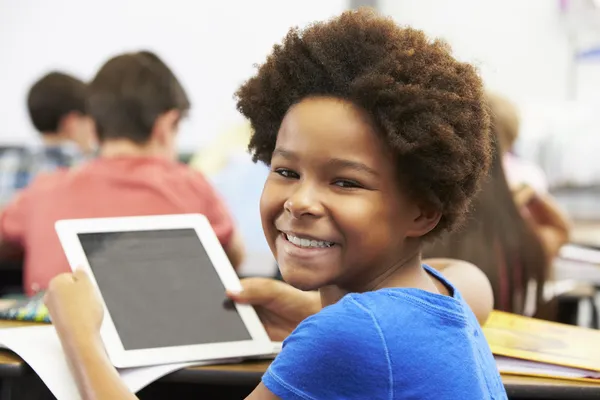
{"x": 280, "y": 306}
{"x": 75, "y": 308}
{"x": 523, "y": 195}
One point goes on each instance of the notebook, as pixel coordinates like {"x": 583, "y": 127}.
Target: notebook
{"x": 532, "y": 347}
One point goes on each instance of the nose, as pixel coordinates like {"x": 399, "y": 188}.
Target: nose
{"x": 304, "y": 201}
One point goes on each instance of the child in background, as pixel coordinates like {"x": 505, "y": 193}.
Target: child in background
{"x": 137, "y": 103}
{"x": 507, "y": 124}
{"x": 498, "y": 239}
{"x": 528, "y": 181}
{"x": 56, "y": 106}
{"x": 377, "y": 139}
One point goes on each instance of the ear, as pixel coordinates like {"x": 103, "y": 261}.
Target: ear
{"x": 425, "y": 221}
{"x": 166, "y": 126}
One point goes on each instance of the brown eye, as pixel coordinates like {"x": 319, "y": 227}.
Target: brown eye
{"x": 346, "y": 183}
{"x": 287, "y": 173}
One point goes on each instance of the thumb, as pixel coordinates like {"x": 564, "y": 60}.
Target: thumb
{"x": 255, "y": 291}
{"x": 79, "y": 275}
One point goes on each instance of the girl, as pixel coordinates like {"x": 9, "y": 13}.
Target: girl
{"x": 376, "y": 139}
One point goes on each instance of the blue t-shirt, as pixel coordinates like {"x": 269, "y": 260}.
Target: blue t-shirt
{"x": 397, "y": 343}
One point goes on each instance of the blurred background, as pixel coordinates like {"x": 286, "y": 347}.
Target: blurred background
{"x": 544, "y": 55}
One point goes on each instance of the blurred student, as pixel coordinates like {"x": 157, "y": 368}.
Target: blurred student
{"x": 498, "y": 239}
{"x": 527, "y": 181}
{"x": 137, "y": 104}
{"x": 512, "y": 235}
{"x": 507, "y": 126}
{"x": 56, "y": 106}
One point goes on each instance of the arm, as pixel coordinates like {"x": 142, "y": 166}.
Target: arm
{"x": 551, "y": 224}
{"x": 548, "y": 220}
{"x": 77, "y": 313}
{"x": 470, "y": 281}
{"x": 262, "y": 393}
{"x": 96, "y": 377}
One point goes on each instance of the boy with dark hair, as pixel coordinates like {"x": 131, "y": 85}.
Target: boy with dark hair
{"x": 137, "y": 103}
{"x": 56, "y": 104}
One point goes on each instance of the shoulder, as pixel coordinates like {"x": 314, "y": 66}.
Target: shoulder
{"x": 336, "y": 353}
{"x": 47, "y": 180}
{"x": 361, "y": 328}
{"x": 350, "y": 319}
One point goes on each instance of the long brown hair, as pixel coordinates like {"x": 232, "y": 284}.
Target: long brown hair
{"x": 499, "y": 241}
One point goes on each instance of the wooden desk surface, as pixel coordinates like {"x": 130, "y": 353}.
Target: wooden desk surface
{"x": 250, "y": 372}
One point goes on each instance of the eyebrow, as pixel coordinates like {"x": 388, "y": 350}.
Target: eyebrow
{"x": 334, "y": 162}
{"x": 357, "y": 166}
{"x": 288, "y": 155}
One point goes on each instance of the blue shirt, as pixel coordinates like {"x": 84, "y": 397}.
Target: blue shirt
{"x": 20, "y": 165}
{"x": 397, "y": 343}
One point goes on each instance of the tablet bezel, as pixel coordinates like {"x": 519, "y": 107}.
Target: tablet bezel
{"x": 260, "y": 344}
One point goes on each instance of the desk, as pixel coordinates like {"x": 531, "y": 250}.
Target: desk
{"x": 523, "y": 387}
{"x": 236, "y": 380}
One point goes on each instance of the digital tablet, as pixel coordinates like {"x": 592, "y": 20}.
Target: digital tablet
{"x": 162, "y": 280}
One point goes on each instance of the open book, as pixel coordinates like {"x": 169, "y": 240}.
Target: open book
{"x": 527, "y": 346}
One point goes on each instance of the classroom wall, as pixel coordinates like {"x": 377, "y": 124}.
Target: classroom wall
{"x": 211, "y": 46}
{"x": 521, "y": 47}
{"x": 525, "y": 50}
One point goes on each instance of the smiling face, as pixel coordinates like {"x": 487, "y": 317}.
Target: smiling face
{"x": 332, "y": 209}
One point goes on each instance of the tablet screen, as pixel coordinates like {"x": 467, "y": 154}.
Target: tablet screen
{"x": 161, "y": 289}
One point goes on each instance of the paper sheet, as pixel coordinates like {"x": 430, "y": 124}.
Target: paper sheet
{"x": 517, "y": 366}
{"x": 580, "y": 253}
{"x": 40, "y": 347}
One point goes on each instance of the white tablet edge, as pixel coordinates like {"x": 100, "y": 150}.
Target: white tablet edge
{"x": 260, "y": 344}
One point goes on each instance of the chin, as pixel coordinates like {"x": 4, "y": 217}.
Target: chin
{"x": 302, "y": 281}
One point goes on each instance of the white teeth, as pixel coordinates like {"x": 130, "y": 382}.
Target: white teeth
{"x": 307, "y": 243}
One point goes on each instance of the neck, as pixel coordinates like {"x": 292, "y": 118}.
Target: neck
{"x": 405, "y": 272}
{"x": 126, "y": 148}
{"x": 54, "y": 138}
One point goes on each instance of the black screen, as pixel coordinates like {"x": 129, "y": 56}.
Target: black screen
{"x": 161, "y": 289}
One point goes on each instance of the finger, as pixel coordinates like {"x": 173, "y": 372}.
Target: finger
{"x": 60, "y": 280}
{"x": 79, "y": 275}
{"x": 236, "y": 296}
{"x": 255, "y": 291}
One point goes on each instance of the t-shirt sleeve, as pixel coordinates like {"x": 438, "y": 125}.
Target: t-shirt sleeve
{"x": 338, "y": 353}
{"x": 12, "y": 219}
{"x": 214, "y": 208}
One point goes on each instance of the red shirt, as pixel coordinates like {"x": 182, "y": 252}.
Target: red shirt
{"x": 106, "y": 187}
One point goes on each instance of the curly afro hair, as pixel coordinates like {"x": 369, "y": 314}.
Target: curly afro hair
{"x": 428, "y": 107}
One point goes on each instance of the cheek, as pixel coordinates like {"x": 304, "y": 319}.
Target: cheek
{"x": 271, "y": 205}
{"x": 372, "y": 226}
